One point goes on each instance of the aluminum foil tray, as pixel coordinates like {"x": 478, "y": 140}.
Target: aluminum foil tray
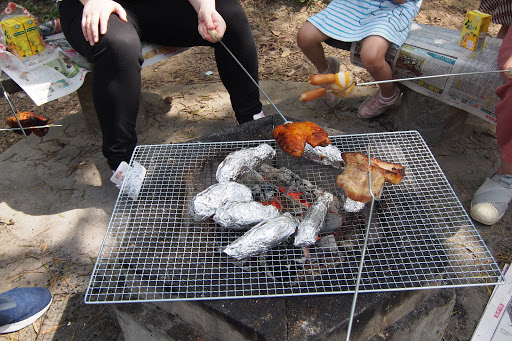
{"x": 421, "y": 236}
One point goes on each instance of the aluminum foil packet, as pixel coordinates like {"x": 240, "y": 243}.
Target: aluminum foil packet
{"x": 241, "y": 215}
{"x": 206, "y": 203}
{"x": 263, "y": 237}
{"x": 313, "y": 221}
{"x": 239, "y": 161}
{"x": 353, "y": 206}
{"x": 329, "y": 155}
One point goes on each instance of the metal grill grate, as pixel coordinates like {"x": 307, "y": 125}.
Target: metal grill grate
{"x": 421, "y": 236}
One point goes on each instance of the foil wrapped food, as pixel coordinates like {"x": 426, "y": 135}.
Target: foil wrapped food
{"x": 238, "y": 161}
{"x": 313, "y": 221}
{"x": 241, "y": 215}
{"x": 328, "y": 155}
{"x": 206, "y": 203}
{"x": 263, "y": 237}
{"x": 352, "y": 205}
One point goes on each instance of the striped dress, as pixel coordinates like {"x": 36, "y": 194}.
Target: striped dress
{"x": 501, "y": 10}
{"x": 354, "y": 20}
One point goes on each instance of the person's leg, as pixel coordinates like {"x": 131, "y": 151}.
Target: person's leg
{"x": 117, "y": 61}
{"x": 309, "y": 40}
{"x": 491, "y": 199}
{"x": 373, "y": 57}
{"x": 502, "y": 109}
{"x": 175, "y": 23}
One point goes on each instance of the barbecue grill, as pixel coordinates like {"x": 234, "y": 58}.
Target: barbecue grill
{"x": 421, "y": 237}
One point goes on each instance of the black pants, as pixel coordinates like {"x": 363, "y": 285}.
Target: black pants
{"x": 117, "y": 61}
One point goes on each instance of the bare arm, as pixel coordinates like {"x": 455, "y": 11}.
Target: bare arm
{"x": 208, "y": 19}
{"x": 95, "y": 17}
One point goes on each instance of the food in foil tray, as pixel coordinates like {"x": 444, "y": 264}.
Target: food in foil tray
{"x": 240, "y": 215}
{"x": 263, "y": 237}
{"x": 238, "y": 161}
{"x": 293, "y": 136}
{"x": 354, "y": 178}
{"x": 206, "y": 203}
{"x": 313, "y": 220}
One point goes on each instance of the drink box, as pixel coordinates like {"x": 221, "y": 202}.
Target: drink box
{"x": 474, "y": 30}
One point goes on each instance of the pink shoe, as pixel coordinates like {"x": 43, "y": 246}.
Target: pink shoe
{"x": 375, "y": 105}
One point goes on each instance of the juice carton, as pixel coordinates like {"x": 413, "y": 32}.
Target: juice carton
{"x": 16, "y": 38}
{"x": 33, "y": 34}
{"x": 475, "y": 29}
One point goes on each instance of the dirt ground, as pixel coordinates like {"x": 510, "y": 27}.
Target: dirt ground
{"x": 275, "y": 24}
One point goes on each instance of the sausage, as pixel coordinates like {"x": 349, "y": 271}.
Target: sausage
{"x": 327, "y": 78}
{"x": 313, "y": 94}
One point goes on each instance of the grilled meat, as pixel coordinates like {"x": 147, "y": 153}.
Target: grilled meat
{"x": 292, "y": 137}
{"x": 29, "y": 119}
{"x": 354, "y": 179}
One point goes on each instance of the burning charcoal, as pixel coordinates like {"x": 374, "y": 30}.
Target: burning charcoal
{"x": 240, "y": 215}
{"x": 261, "y": 189}
{"x": 313, "y": 221}
{"x": 333, "y": 222}
{"x": 283, "y": 177}
{"x": 206, "y": 203}
{"x": 262, "y": 237}
{"x": 329, "y": 155}
{"x": 241, "y": 160}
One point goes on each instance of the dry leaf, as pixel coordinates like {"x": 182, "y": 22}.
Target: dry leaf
{"x": 276, "y": 33}
{"x": 286, "y": 53}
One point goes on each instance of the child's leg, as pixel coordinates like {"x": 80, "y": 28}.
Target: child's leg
{"x": 309, "y": 40}
{"x": 373, "y": 53}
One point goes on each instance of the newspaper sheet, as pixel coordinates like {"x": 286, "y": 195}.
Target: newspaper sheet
{"x": 431, "y": 50}
{"x": 60, "y": 70}
{"x": 496, "y": 321}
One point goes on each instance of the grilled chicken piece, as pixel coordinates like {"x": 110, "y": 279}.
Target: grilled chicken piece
{"x": 29, "y": 119}
{"x": 292, "y": 137}
{"x": 354, "y": 179}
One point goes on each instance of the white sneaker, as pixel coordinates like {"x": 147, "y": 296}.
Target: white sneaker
{"x": 491, "y": 200}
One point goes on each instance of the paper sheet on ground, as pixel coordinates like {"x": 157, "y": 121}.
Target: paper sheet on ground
{"x": 496, "y": 321}
{"x": 60, "y": 70}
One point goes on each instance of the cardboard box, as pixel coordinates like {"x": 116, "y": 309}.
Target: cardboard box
{"x": 474, "y": 31}
{"x": 16, "y": 38}
{"x": 33, "y": 34}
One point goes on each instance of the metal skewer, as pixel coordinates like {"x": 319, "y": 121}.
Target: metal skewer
{"x": 361, "y": 262}
{"x": 35, "y": 127}
{"x": 14, "y": 111}
{"x": 215, "y": 35}
{"x": 509, "y": 71}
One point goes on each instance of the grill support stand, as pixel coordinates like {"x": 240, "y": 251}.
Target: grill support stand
{"x": 406, "y": 315}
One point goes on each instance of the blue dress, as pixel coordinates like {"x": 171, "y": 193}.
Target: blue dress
{"x": 354, "y": 20}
